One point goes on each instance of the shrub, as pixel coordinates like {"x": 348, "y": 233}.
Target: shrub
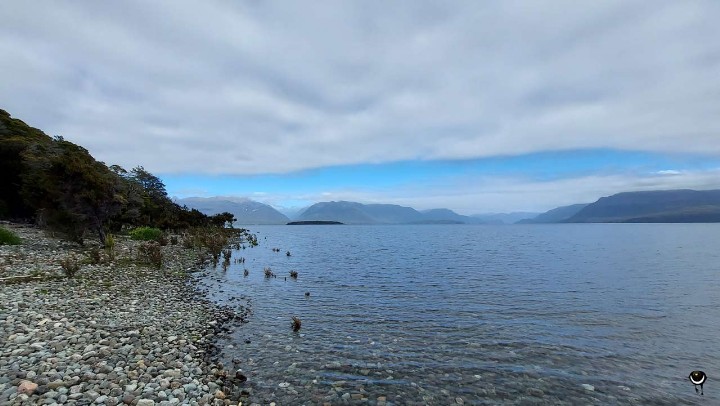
{"x": 151, "y": 253}
{"x": 215, "y": 242}
{"x": 269, "y": 273}
{"x": 188, "y": 241}
{"x": 210, "y": 240}
{"x": 293, "y": 274}
{"x": 110, "y": 246}
{"x": 94, "y": 256}
{"x": 70, "y": 266}
{"x": 7, "y": 237}
{"x": 174, "y": 240}
{"x": 146, "y": 234}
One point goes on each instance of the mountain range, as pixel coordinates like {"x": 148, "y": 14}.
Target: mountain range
{"x": 658, "y": 206}
{"x": 505, "y": 218}
{"x": 358, "y": 213}
{"x": 556, "y": 215}
{"x": 663, "y": 206}
{"x": 246, "y": 211}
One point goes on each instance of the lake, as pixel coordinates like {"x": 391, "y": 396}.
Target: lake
{"x": 458, "y": 314}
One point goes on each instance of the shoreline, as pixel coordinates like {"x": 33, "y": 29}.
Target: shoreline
{"x": 116, "y": 333}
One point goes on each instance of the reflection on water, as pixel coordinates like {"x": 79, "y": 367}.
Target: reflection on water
{"x": 536, "y": 314}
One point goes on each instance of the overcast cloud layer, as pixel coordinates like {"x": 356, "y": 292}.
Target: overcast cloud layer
{"x": 272, "y": 87}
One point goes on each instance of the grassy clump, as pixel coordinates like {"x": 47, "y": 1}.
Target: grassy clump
{"x": 94, "y": 256}
{"x": 208, "y": 240}
{"x": 7, "y": 237}
{"x": 70, "y": 265}
{"x": 146, "y": 234}
{"x": 110, "y": 246}
{"x": 151, "y": 253}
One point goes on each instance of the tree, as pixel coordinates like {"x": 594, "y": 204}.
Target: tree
{"x": 152, "y": 185}
{"x": 15, "y": 138}
{"x": 157, "y": 209}
{"x": 223, "y": 219}
{"x": 70, "y": 189}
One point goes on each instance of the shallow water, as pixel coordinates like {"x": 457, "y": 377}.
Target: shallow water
{"x": 441, "y": 314}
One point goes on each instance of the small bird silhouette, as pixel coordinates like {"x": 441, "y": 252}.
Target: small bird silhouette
{"x": 698, "y": 378}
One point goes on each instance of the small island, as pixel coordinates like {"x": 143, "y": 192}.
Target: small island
{"x": 313, "y": 223}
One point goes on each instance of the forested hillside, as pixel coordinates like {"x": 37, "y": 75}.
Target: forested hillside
{"x": 60, "y": 186}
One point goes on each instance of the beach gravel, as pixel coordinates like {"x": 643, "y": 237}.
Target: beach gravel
{"x": 118, "y": 332}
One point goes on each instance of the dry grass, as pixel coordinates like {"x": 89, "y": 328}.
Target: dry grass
{"x": 296, "y": 323}
{"x": 70, "y": 265}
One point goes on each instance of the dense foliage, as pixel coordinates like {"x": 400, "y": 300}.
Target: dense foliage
{"x": 62, "y": 187}
{"x": 7, "y": 237}
{"x": 146, "y": 234}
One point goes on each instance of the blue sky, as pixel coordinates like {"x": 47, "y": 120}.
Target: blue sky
{"x": 303, "y": 188}
{"x": 494, "y": 106}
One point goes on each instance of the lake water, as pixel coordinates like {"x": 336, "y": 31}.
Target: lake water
{"x": 451, "y": 314}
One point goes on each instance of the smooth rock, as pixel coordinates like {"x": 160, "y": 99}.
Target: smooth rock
{"x": 27, "y": 387}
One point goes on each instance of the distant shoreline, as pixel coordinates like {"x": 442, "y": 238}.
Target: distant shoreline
{"x": 313, "y": 223}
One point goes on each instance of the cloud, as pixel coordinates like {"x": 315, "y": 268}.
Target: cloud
{"x": 274, "y": 87}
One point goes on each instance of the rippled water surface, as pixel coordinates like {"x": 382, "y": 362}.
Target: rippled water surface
{"x": 448, "y": 314}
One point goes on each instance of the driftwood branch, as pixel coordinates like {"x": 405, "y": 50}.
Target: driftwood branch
{"x": 26, "y": 278}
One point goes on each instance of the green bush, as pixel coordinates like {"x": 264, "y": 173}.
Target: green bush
{"x": 8, "y": 237}
{"x": 146, "y": 234}
{"x": 110, "y": 246}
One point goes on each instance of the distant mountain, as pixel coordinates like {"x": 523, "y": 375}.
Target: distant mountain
{"x": 345, "y": 212}
{"x": 505, "y": 218}
{"x": 357, "y": 213}
{"x": 662, "y": 206}
{"x": 246, "y": 211}
{"x": 556, "y": 215}
{"x": 314, "y": 223}
{"x": 449, "y": 216}
{"x": 392, "y": 213}
{"x": 291, "y": 212}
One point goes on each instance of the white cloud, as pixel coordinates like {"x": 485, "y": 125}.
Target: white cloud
{"x": 261, "y": 87}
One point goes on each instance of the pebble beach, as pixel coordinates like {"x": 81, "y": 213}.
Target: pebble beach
{"x": 118, "y": 332}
